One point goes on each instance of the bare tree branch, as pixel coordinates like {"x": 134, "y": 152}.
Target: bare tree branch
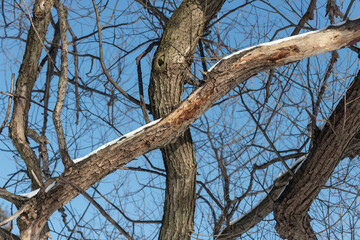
{"x": 62, "y": 86}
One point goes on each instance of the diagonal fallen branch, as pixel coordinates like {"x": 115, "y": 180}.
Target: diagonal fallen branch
{"x": 15, "y": 215}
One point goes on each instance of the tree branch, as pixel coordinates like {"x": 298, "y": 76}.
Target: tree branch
{"x": 62, "y": 86}
{"x": 291, "y": 209}
{"x": 24, "y": 86}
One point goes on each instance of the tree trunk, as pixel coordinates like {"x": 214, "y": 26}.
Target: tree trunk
{"x": 171, "y": 67}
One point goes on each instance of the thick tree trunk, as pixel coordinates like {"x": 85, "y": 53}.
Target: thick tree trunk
{"x": 171, "y": 67}
{"x": 180, "y": 195}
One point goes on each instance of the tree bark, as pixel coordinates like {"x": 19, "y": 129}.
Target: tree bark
{"x": 171, "y": 67}
{"x": 291, "y": 209}
{"x": 18, "y": 127}
{"x": 266, "y": 205}
{"x": 224, "y": 76}
{"x": 24, "y": 86}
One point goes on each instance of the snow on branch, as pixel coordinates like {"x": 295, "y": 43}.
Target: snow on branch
{"x": 122, "y": 138}
{"x": 291, "y": 38}
{"x": 33, "y": 193}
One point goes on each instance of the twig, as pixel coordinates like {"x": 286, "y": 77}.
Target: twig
{"x": 159, "y": 15}
{"x": 107, "y": 74}
{"x": 36, "y": 178}
{"x": 141, "y": 87}
{"x": 267, "y": 138}
{"x": 101, "y": 210}
{"x": 14, "y": 96}
{"x": 15, "y": 215}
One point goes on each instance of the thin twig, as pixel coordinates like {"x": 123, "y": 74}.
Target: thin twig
{"x": 36, "y": 178}
{"x": 15, "y": 215}
{"x": 15, "y": 96}
{"x": 101, "y": 210}
{"x": 159, "y": 15}
{"x": 122, "y": 213}
{"x": 267, "y": 137}
{"x": 107, "y": 74}
{"x": 141, "y": 87}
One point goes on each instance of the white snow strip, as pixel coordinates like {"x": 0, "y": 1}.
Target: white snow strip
{"x": 30, "y": 194}
{"x": 343, "y": 22}
{"x": 265, "y": 44}
{"x": 229, "y": 56}
{"x": 278, "y": 41}
{"x": 297, "y": 161}
{"x": 50, "y": 186}
{"x": 33, "y": 193}
{"x": 232, "y": 222}
{"x": 355, "y": 18}
{"x": 130, "y": 134}
{"x": 297, "y": 168}
{"x": 300, "y": 159}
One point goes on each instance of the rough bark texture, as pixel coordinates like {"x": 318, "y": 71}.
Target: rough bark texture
{"x": 291, "y": 209}
{"x": 258, "y": 213}
{"x": 222, "y": 78}
{"x": 171, "y": 67}
{"x": 24, "y": 86}
{"x": 266, "y": 206}
{"x": 18, "y": 127}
